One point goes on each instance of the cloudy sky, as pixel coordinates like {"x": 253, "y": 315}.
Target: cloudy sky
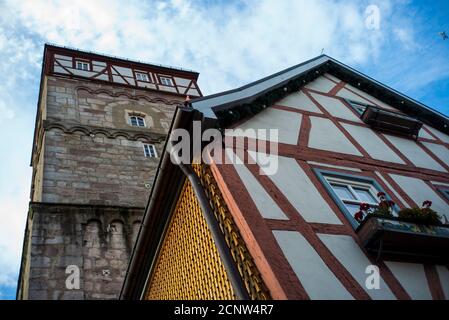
{"x": 229, "y": 42}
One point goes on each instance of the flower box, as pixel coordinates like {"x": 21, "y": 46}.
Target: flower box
{"x": 394, "y": 237}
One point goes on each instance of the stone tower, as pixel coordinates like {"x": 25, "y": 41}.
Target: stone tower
{"x": 100, "y": 128}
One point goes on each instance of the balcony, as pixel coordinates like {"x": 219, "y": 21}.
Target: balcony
{"x": 395, "y": 238}
{"x": 390, "y": 121}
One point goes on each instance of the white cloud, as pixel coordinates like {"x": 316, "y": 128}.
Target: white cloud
{"x": 231, "y": 44}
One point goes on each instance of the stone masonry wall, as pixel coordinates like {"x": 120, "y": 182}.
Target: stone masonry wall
{"x": 96, "y": 170}
{"x": 98, "y": 240}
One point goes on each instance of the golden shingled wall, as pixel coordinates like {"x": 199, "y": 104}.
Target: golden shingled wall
{"x": 188, "y": 265}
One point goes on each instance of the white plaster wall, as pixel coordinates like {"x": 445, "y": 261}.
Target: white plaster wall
{"x": 65, "y": 63}
{"x": 443, "y": 273}
{"x": 335, "y": 107}
{"x": 124, "y": 71}
{"x": 334, "y": 166}
{"x": 349, "y": 254}
{"x": 97, "y": 68}
{"x": 325, "y": 135}
{"x": 102, "y": 77}
{"x": 371, "y": 98}
{"x": 59, "y": 56}
{"x": 263, "y": 201}
{"x": 424, "y": 134}
{"x": 118, "y": 79}
{"x": 439, "y": 150}
{"x": 403, "y": 202}
{"x": 317, "y": 279}
{"x": 321, "y": 84}
{"x": 59, "y": 69}
{"x": 300, "y": 101}
{"x": 99, "y": 63}
{"x": 82, "y": 73}
{"x": 439, "y": 134}
{"x": 193, "y": 92}
{"x": 345, "y": 93}
{"x": 419, "y": 191}
{"x": 287, "y": 123}
{"x": 374, "y": 145}
{"x": 412, "y": 278}
{"x": 414, "y": 153}
{"x": 296, "y": 186}
{"x": 334, "y": 78}
{"x": 167, "y": 88}
{"x": 182, "y": 81}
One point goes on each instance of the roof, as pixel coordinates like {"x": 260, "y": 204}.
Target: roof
{"x": 116, "y": 58}
{"x": 214, "y": 106}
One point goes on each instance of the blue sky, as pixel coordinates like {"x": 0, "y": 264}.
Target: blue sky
{"x": 229, "y": 42}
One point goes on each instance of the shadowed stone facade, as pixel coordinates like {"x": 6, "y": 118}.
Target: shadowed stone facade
{"x": 91, "y": 179}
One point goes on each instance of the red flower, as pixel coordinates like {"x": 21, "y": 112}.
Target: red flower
{"x": 364, "y": 206}
{"x": 427, "y": 204}
{"x": 381, "y": 195}
{"x": 358, "y": 216}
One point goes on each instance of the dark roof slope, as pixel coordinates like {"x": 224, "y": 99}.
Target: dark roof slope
{"x": 217, "y": 106}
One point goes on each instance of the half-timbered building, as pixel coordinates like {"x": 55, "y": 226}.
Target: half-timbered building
{"x": 345, "y": 143}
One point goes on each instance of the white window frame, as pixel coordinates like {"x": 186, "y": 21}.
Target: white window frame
{"x": 166, "y": 81}
{"x": 82, "y": 64}
{"x": 137, "y": 117}
{"x": 140, "y": 76}
{"x": 351, "y": 184}
{"x": 149, "y": 150}
{"x": 351, "y": 181}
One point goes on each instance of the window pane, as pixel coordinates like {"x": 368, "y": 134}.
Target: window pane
{"x": 141, "y": 122}
{"x": 365, "y": 195}
{"x": 352, "y": 208}
{"x": 134, "y": 121}
{"x": 342, "y": 192}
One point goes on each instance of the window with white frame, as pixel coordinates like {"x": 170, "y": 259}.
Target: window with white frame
{"x": 83, "y": 65}
{"x": 149, "y": 150}
{"x": 166, "y": 81}
{"x": 350, "y": 191}
{"x": 142, "y": 77}
{"x": 137, "y": 121}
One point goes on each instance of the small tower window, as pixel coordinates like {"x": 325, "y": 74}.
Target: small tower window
{"x": 142, "y": 77}
{"x": 137, "y": 121}
{"x": 82, "y": 65}
{"x": 166, "y": 81}
{"x": 149, "y": 150}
